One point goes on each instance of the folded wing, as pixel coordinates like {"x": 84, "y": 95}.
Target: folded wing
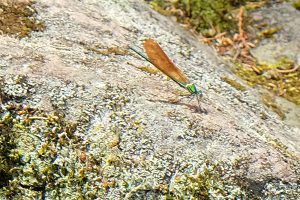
{"x": 160, "y": 60}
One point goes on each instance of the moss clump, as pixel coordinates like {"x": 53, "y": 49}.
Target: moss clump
{"x": 207, "y": 17}
{"x": 9, "y": 158}
{"x": 208, "y": 181}
{"x": 161, "y": 7}
{"x": 29, "y": 142}
{"x": 267, "y": 33}
{"x": 18, "y": 19}
{"x": 281, "y": 78}
{"x": 296, "y": 4}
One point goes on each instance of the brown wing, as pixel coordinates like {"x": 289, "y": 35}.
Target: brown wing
{"x": 160, "y": 60}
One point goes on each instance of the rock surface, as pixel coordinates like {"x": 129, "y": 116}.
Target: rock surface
{"x": 142, "y": 143}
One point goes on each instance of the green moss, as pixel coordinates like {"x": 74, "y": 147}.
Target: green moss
{"x": 9, "y": 158}
{"x": 160, "y": 6}
{"x": 282, "y": 78}
{"x": 296, "y": 4}
{"x": 206, "y": 182}
{"x": 24, "y": 173}
{"x": 207, "y": 17}
{"x": 267, "y": 33}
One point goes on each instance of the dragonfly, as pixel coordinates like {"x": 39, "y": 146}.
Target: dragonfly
{"x": 157, "y": 57}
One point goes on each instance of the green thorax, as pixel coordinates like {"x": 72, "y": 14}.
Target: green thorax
{"x": 190, "y": 87}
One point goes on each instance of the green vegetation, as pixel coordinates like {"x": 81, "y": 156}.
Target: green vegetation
{"x": 207, "y": 182}
{"x": 296, "y": 4}
{"x": 282, "y": 78}
{"x": 207, "y": 17}
{"x": 30, "y": 142}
